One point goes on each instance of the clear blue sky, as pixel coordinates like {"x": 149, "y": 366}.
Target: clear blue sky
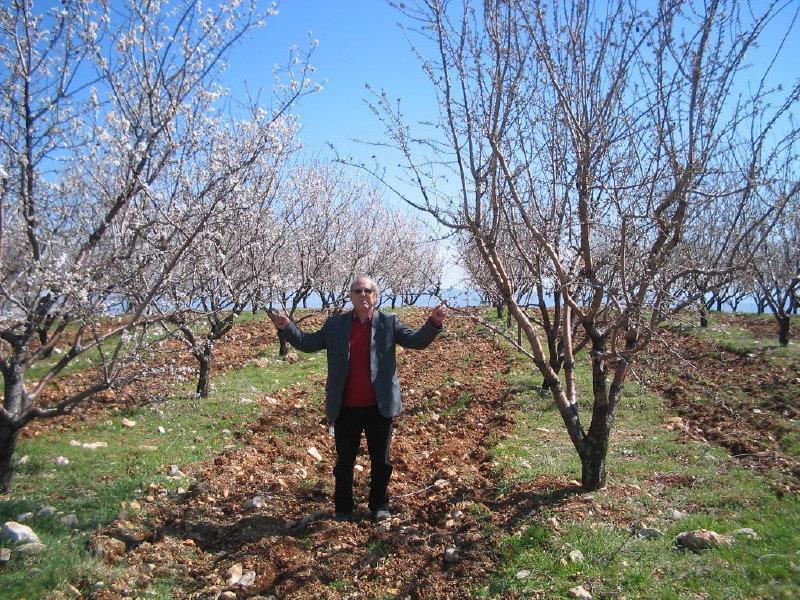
{"x": 359, "y": 43}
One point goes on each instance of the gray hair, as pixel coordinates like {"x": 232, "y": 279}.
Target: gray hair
{"x": 372, "y": 283}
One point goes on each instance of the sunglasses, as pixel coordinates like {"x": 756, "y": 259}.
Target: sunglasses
{"x": 362, "y": 291}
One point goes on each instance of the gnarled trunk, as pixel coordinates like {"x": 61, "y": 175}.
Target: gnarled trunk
{"x": 8, "y": 443}
{"x": 784, "y": 322}
{"x": 204, "y": 378}
{"x": 593, "y": 466}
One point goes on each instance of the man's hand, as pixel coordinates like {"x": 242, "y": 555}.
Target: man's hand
{"x": 280, "y": 321}
{"x": 438, "y": 314}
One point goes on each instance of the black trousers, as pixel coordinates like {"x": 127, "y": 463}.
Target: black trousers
{"x": 347, "y": 433}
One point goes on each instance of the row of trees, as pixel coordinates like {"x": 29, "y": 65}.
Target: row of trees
{"x": 623, "y": 160}
{"x": 138, "y": 201}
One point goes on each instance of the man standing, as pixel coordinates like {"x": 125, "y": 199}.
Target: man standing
{"x": 362, "y": 392}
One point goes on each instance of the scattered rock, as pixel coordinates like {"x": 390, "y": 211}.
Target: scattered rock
{"x": 88, "y": 445}
{"x": 227, "y": 595}
{"x": 451, "y": 555}
{"x": 580, "y": 592}
{"x": 148, "y": 447}
{"x": 61, "y": 460}
{"x": 553, "y": 521}
{"x": 359, "y": 468}
{"x": 291, "y": 358}
{"x": 24, "y": 517}
{"x": 745, "y": 532}
{"x": 70, "y": 520}
{"x": 247, "y": 579}
{"x": 23, "y": 460}
{"x": 161, "y": 429}
{"x": 384, "y": 526}
{"x": 174, "y": 471}
{"x": 524, "y": 574}
{"x": 31, "y": 548}
{"x": 46, "y": 511}
{"x": 649, "y": 533}
{"x": 678, "y": 514}
{"x": 576, "y": 556}
{"x": 440, "y": 483}
{"x": 5, "y": 555}
{"x": 701, "y": 539}
{"x": 19, "y": 533}
{"x": 128, "y": 422}
{"x": 107, "y": 549}
{"x": 314, "y": 453}
{"x": 254, "y": 503}
{"x": 73, "y": 592}
{"x": 234, "y": 574}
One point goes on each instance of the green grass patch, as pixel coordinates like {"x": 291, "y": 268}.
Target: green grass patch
{"x": 652, "y": 474}
{"x": 97, "y": 484}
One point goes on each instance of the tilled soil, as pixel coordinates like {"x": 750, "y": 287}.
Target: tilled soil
{"x": 439, "y": 543}
{"x": 744, "y": 402}
{"x": 449, "y": 510}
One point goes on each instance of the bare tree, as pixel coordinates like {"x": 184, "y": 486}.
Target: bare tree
{"x": 619, "y": 125}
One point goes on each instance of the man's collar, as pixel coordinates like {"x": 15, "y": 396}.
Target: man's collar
{"x": 368, "y": 319}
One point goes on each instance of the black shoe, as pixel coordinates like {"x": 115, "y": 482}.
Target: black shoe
{"x": 343, "y": 517}
{"x": 380, "y": 515}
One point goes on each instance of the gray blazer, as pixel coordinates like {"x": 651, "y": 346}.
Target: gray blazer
{"x": 387, "y": 331}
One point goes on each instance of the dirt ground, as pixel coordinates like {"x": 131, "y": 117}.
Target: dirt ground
{"x": 266, "y": 508}
{"x": 746, "y": 402}
{"x": 443, "y": 495}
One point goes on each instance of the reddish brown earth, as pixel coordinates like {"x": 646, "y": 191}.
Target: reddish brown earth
{"x": 748, "y": 403}
{"x": 443, "y": 494}
{"x": 446, "y": 492}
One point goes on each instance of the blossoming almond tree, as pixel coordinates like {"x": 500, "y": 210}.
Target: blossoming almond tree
{"x": 101, "y": 108}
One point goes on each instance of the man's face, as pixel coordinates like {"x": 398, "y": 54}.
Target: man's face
{"x": 363, "y": 295}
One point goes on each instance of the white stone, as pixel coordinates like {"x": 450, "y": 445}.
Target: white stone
{"x": 31, "y": 548}
{"x": 384, "y": 526}
{"x": 451, "y": 555}
{"x": 313, "y": 452}
{"x": 746, "y": 532}
{"x": 19, "y": 533}
{"x": 128, "y": 422}
{"x": 576, "y": 556}
{"x": 359, "y": 468}
{"x": 161, "y": 429}
{"x": 46, "y": 511}
{"x": 649, "y": 533}
{"x": 234, "y": 574}
{"x": 679, "y": 514}
{"x": 247, "y": 579}
{"x": 70, "y": 520}
{"x": 174, "y": 471}
{"x": 5, "y": 555}
{"x": 94, "y": 445}
{"x": 61, "y": 460}
{"x": 701, "y": 539}
{"x": 23, "y": 460}
{"x": 524, "y": 574}
{"x": 440, "y": 483}
{"x": 24, "y": 517}
{"x": 254, "y": 502}
{"x": 580, "y": 592}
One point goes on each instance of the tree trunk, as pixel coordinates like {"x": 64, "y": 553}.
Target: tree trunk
{"x": 499, "y": 307}
{"x": 783, "y": 329}
{"x": 703, "y": 316}
{"x": 204, "y": 379}
{"x": 283, "y": 347}
{"x": 8, "y": 443}
{"x": 593, "y": 466}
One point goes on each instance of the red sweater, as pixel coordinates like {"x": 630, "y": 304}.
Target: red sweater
{"x": 358, "y": 388}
